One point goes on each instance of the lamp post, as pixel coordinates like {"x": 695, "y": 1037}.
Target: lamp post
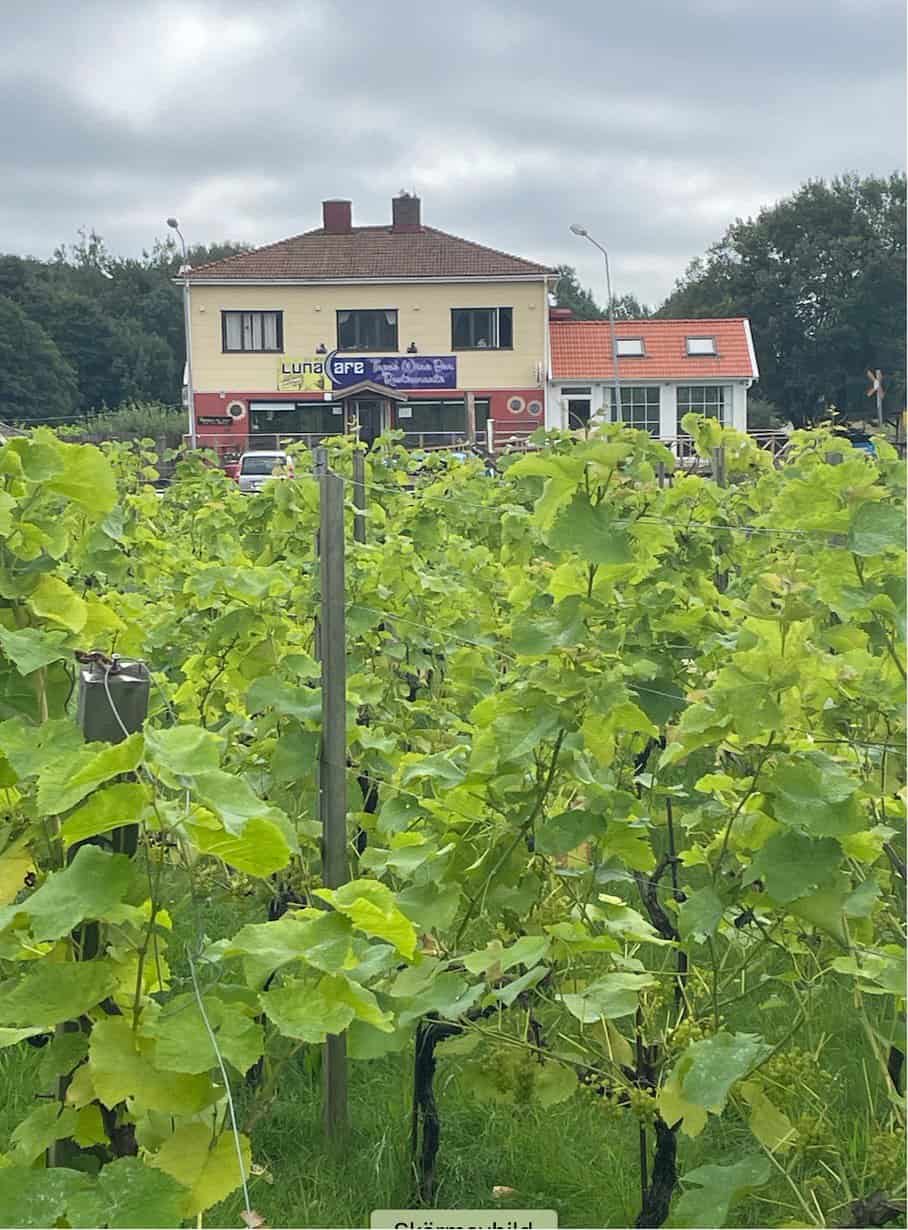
{"x": 577, "y": 229}
{"x": 187, "y": 321}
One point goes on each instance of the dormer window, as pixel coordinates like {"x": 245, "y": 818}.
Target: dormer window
{"x": 630, "y": 347}
{"x": 701, "y": 345}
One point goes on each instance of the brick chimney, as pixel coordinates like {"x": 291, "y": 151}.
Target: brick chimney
{"x": 405, "y": 214}
{"x": 337, "y": 217}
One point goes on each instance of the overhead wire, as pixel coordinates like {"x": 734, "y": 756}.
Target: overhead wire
{"x": 676, "y": 523}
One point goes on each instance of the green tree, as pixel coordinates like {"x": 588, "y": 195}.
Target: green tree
{"x": 629, "y": 307}
{"x": 821, "y": 275}
{"x": 36, "y": 382}
{"x": 87, "y": 337}
{"x": 570, "y": 294}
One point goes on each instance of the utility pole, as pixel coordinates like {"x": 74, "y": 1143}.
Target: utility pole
{"x": 577, "y": 229}
{"x": 333, "y": 758}
{"x": 185, "y": 270}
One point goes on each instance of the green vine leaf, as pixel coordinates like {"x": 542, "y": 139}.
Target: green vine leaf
{"x": 711, "y": 1066}
{"x": 607, "y": 998}
{"x": 209, "y": 1169}
{"x": 51, "y": 993}
{"x": 88, "y": 888}
{"x": 31, "y": 648}
{"x": 718, "y": 1188}
{"x": 67, "y": 780}
{"x": 372, "y": 909}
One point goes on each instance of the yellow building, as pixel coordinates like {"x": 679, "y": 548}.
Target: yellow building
{"x": 368, "y": 328}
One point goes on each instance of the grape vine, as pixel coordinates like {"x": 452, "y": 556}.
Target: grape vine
{"x": 627, "y": 770}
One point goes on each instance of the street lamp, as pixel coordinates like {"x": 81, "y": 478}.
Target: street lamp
{"x": 577, "y": 229}
{"x": 185, "y": 270}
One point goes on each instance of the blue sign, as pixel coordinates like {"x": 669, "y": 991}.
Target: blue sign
{"x": 393, "y": 371}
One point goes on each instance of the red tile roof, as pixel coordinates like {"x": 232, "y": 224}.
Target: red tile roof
{"x": 582, "y": 349}
{"x": 369, "y": 252}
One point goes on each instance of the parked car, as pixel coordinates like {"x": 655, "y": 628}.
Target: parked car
{"x": 861, "y": 440}
{"x": 256, "y": 468}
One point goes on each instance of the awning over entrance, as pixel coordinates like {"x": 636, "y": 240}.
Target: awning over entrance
{"x": 368, "y": 388}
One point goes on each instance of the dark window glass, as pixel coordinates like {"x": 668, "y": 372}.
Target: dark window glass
{"x": 708, "y": 399}
{"x": 639, "y": 408}
{"x": 367, "y": 330}
{"x": 274, "y": 423}
{"x": 252, "y": 331}
{"x": 482, "y": 328}
{"x": 578, "y": 409}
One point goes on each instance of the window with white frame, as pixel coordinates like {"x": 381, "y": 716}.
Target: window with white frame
{"x": 255, "y": 331}
{"x": 639, "y": 407}
{"x": 701, "y": 345}
{"x": 708, "y": 399}
{"x": 630, "y": 347}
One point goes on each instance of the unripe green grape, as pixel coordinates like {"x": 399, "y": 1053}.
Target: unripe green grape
{"x": 642, "y": 1104}
{"x": 886, "y": 1152}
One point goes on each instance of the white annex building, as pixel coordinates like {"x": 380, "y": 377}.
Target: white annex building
{"x": 666, "y": 368}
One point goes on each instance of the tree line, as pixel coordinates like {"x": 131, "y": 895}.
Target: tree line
{"x": 820, "y": 274}
{"x": 87, "y": 331}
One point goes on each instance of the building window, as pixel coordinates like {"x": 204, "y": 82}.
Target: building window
{"x": 639, "y": 408}
{"x": 701, "y": 345}
{"x": 630, "y": 347}
{"x": 254, "y": 331}
{"x": 439, "y": 422}
{"x": 576, "y": 401}
{"x": 708, "y": 399}
{"x": 367, "y": 330}
{"x": 482, "y": 328}
{"x": 287, "y": 420}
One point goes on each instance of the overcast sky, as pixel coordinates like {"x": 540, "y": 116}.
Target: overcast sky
{"x": 654, "y": 123}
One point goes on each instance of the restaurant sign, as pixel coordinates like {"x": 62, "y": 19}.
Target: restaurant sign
{"x": 337, "y": 371}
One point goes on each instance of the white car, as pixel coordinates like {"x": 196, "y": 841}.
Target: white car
{"x": 256, "y": 468}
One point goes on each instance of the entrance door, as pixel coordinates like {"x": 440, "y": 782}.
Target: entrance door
{"x": 370, "y": 416}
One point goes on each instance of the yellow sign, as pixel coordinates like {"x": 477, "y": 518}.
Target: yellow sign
{"x": 302, "y": 375}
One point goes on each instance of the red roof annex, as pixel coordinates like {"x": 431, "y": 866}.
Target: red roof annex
{"x": 582, "y": 350}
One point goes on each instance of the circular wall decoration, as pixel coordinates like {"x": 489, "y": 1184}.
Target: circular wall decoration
{"x": 534, "y": 408}
{"x": 516, "y": 405}
{"x": 236, "y": 410}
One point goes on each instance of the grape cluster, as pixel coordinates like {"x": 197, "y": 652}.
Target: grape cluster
{"x": 659, "y": 997}
{"x": 793, "y": 1068}
{"x": 692, "y": 1030}
{"x": 642, "y": 1104}
{"x": 607, "y": 1100}
{"x": 813, "y": 1134}
{"x": 513, "y": 1075}
{"x": 887, "y": 1165}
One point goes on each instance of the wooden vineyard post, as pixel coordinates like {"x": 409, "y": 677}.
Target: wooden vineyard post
{"x": 470, "y": 407}
{"x": 660, "y": 474}
{"x": 359, "y": 496}
{"x": 333, "y": 757}
{"x": 719, "y": 466}
{"x": 112, "y": 704}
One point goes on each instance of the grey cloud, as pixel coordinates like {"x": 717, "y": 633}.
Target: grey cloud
{"x": 655, "y": 123}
